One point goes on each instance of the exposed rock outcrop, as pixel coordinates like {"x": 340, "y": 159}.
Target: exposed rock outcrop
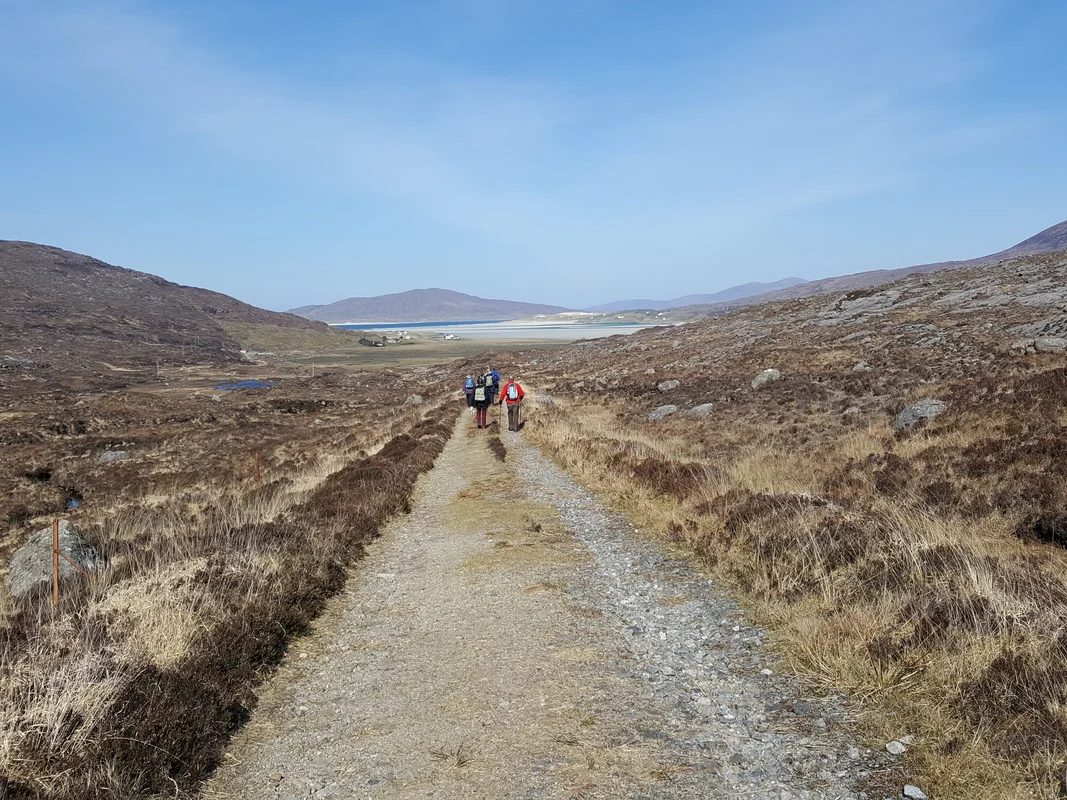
{"x": 31, "y": 566}
{"x": 918, "y": 412}
{"x": 765, "y": 377}
{"x": 661, "y": 413}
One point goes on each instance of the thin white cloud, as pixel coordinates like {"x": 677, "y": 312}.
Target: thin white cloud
{"x": 435, "y": 155}
{"x": 848, "y": 102}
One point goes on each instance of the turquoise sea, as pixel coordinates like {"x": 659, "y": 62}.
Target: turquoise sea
{"x": 565, "y": 331}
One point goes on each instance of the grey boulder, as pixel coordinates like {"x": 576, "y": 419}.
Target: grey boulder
{"x": 1054, "y": 345}
{"x": 112, "y": 456}
{"x": 913, "y": 792}
{"x": 413, "y": 400}
{"x": 700, "y": 411}
{"x": 661, "y": 413}
{"x": 668, "y": 386}
{"x": 765, "y": 377}
{"x": 918, "y": 412}
{"x": 31, "y": 566}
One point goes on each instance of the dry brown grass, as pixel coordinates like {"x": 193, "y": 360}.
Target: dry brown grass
{"x": 457, "y": 756}
{"x": 523, "y": 532}
{"x": 134, "y": 686}
{"x": 902, "y": 567}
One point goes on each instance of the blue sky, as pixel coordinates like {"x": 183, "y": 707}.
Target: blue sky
{"x": 569, "y": 152}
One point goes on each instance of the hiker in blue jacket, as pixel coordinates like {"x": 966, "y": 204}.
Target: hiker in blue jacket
{"x": 468, "y": 390}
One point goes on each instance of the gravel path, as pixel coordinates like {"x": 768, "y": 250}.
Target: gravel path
{"x": 510, "y": 638}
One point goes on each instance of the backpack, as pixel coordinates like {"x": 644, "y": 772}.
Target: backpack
{"x": 469, "y": 384}
{"x": 513, "y": 392}
{"x": 489, "y": 381}
{"x": 479, "y": 394}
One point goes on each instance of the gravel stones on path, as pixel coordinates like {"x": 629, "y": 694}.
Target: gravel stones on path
{"x": 744, "y": 729}
{"x": 510, "y": 638}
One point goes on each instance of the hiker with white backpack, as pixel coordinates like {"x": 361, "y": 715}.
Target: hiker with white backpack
{"x": 512, "y": 394}
{"x": 483, "y": 398}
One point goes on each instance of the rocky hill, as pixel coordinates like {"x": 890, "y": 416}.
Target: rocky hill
{"x": 954, "y": 324}
{"x": 1047, "y": 241}
{"x": 422, "y": 305}
{"x": 66, "y": 313}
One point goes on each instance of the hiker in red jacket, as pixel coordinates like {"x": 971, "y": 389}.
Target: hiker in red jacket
{"x": 512, "y": 394}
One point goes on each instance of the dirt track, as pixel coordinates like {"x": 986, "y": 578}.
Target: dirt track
{"x": 509, "y": 638}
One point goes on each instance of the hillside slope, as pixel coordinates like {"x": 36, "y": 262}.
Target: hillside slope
{"x": 922, "y": 568}
{"x": 736, "y": 292}
{"x": 726, "y": 295}
{"x": 1049, "y": 240}
{"x": 65, "y": 312}
{"x": 422, "y": 305}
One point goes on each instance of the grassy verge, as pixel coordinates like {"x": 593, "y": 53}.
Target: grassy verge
{"x": 137, "y": 684}
{"x": 903, "y": 567}
{"x": 272, "y": 338}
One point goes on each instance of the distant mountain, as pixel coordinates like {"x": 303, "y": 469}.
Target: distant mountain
{"x": 1050, "y": 240}
{"x": 422, "y": 305}
{"x": 627, "y": 305}
{"x": 736, "y": 292}
{"x": 61, "y": 311}
{"x": 726, "y": 295}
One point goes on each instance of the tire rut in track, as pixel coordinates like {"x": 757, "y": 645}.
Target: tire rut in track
{"x": 510, "y": 639}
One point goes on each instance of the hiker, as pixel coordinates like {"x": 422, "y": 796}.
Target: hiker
{"x": 482, "y": 399}
{"x": 468, "y": 390}
{"x": 492, "y": 385}
{"x": 512, "y": 394}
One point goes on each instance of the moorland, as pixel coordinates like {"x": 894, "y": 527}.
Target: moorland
{"x": 916, "y": 561}
{"x": 225, "y": 511}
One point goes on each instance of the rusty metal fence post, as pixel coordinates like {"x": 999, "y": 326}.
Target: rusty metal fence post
{"x": 55, "y": 563}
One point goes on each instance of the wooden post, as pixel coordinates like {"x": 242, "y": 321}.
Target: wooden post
{"x": 259, "y": 480}
{"x": 55, "y": 563}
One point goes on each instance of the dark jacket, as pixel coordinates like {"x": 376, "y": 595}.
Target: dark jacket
{"x": 488, "y": 395}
